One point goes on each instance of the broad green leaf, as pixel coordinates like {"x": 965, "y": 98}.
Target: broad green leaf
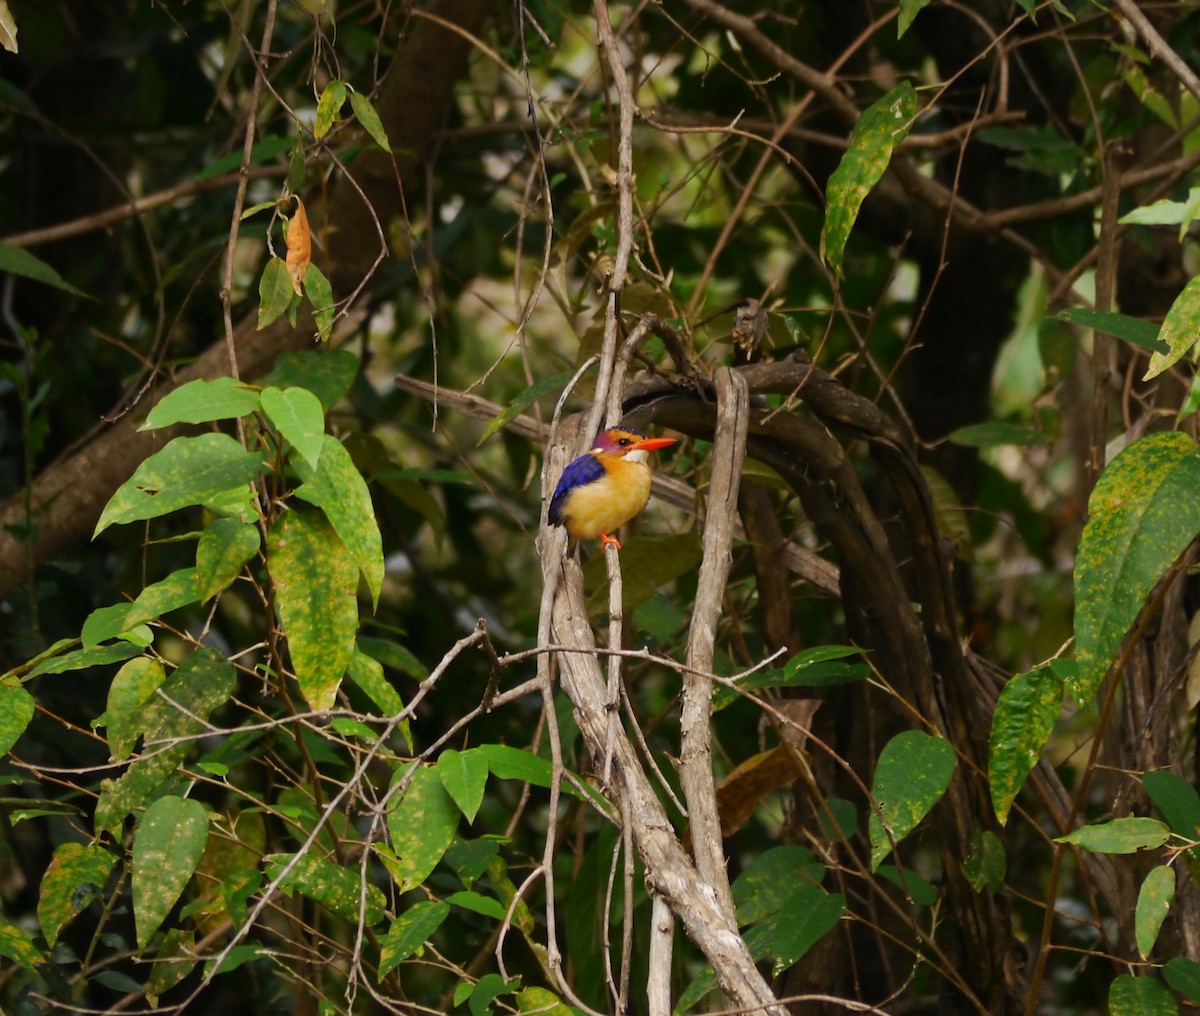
{"x": 701, "y": 985}
{"x": 421, "y": 826}
{"x": 18, "y": 261}
{"x": 1177, "y": 802}
{"x": 171, "y": 723}
{"x": 298, "y": 415}
{"x": 75, "y": 877}
{"x": 1149, "y": 96}
{"x": 320, "y": 295}
{"x": 339, "y": 490}
{"x": 18, "y": 947}
{"x": 365, "y": 114}
{"x": 912, "y": 774}
{"x": 16, "y": 710}
{"x": 229, "y": 874}
{"x": 908, "y": 10}
{"x": 1139, "y": 996}
{"x": 788, "y": 934}
{"x": 477, "y": 903}
{"x": 179, "y": 589}
{"x": 486, "y": 989}
{"x": 367, "y": 673}
{"x": 315, "y": 580}
{"x": 338, "y": 889}
{"x": 1153, "y": 902}
{"x": 1026, "y": 712}
{"x": 275, "y": 292}
{"x": 225, "y": 547}
{"x": 82, "y": 659}
{"x": 1142, "y": 514}
{"x": 1167, "y": 213}
{"x": 328, "y": 107}
{"x": 409, "y": 932}
{"x": 132, "y": 687}
{"x": 1179, "y": 329}
{"x": 464, "y": 775}
{"x": 880, "y": 128}
{"x": 542, "y": 1001}
{"x": 167, "y": 846}
{"x": 393, "y": 654}
{"x": 201, "y": 401}
{"x": 253, "y": 210}
{"x": 1184, "y": 976}
{"x": 508, "y": 763}
{"x": 296, "y": 168}
{"x": 187, "y": 471}
{"x": 910, "y": 883}
{"x": 996, "y": 434}
{"x": 327, "y": 373}
{"x": 546, "y": 386}
{"x": 1120, "y": 836}
{"x": 174, "y": 959}
{"x": 1121, "y": 326}
{"x": 985, "y": 864}
{"x": 770, "y": 882}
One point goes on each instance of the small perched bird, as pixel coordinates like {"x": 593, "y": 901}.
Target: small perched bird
{"x": 600, "y": 491}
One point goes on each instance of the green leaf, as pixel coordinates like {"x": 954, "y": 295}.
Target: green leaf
{"x": 81, "y": 659}
{"x": 1184, "y": 976}
{"x": 16, "y": 710}
{"x": 1120, "y": 836}
{"x": 489, "y": 906}
{"x": 297, "y": 414}
{"x": 315, "y": 580}
{"x": 880, "y": 128}
{"x": 327, "y": 373}
{"x": 910, "y": 883}
{"x": 328, "y": 107}
{"x": 788, "y": 934}
{"x": 547, "y": 386}
{"x": 1026, "y": 712}
{"x": 1153, "y": 902}
{"x": 1121, "y": 326}
{"x": 486, "y": 989}
{"x": 770, "y": 882}
{"x": 394, "y": 655}
{"x": 171, "y": 723}
{"x": 409, "y": 932}
{"x": 177, "y": 590}
{"x": 1142, "y": 514}
{"x": 464, "y": 775}
{"x": 985, "y": 864}
{"x": 202, "y": 401}
{"x": 18, "y": 947}
{"x": 365, "y": 114}
{"x": 76, "y": 876}
{"x": 225, "y": 547}
{"x": 132, "y": 687}
{"x": 167, "y": 847}
{"x": 647, "y": 564}
{"x": 1179, "y": 329}
{"x": 367, "y": 673}
{"x": 908, "y": 10}
{"x": 275, "y": 292}
{"x": 174, "y": 959}
{"x": 263, "y": 151}
{"x": 1139, "y": 996}
{"x": 187, "y": 471}
{"x": 996, "y": 434}
{"x": 1177, "y": 802}
{"x": 320, "y": 295}
{"x": 1167, "y": 213}
{"x": 339, "y": 490}
{"x": 421, "y": 826}
{"x": 18, "y": 261}
{"x": 912, "y": 774}
{"x": 338, "y": 889}
{"x": 542, "y": 1001}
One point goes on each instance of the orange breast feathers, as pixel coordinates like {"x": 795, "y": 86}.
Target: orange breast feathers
{"x": 606, "y": 504}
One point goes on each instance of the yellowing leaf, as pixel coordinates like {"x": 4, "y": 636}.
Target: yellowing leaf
{"x": 299, "y": 247}
{"x": 8, "y": 28}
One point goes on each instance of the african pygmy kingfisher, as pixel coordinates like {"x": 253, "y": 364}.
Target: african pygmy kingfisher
{"x": 602, "y": 490}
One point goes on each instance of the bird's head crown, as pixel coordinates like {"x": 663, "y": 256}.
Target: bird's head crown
{"x": 622, "y": 441}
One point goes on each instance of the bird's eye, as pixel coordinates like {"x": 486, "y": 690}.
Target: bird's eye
{"x": 625, "y": 442}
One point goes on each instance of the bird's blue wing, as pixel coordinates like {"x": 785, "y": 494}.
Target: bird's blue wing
{"x": 584, "y": 470}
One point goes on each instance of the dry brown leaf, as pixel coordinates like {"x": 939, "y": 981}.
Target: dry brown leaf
{"x": 299, "y": 247}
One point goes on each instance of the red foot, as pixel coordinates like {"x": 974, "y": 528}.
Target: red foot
{"x": 605, "y": 540}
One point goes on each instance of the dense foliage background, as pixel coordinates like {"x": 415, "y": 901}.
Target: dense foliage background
{"x": 861, "y": 244}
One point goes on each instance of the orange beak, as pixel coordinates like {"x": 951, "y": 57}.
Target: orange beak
{"x": 652, "y": 444}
